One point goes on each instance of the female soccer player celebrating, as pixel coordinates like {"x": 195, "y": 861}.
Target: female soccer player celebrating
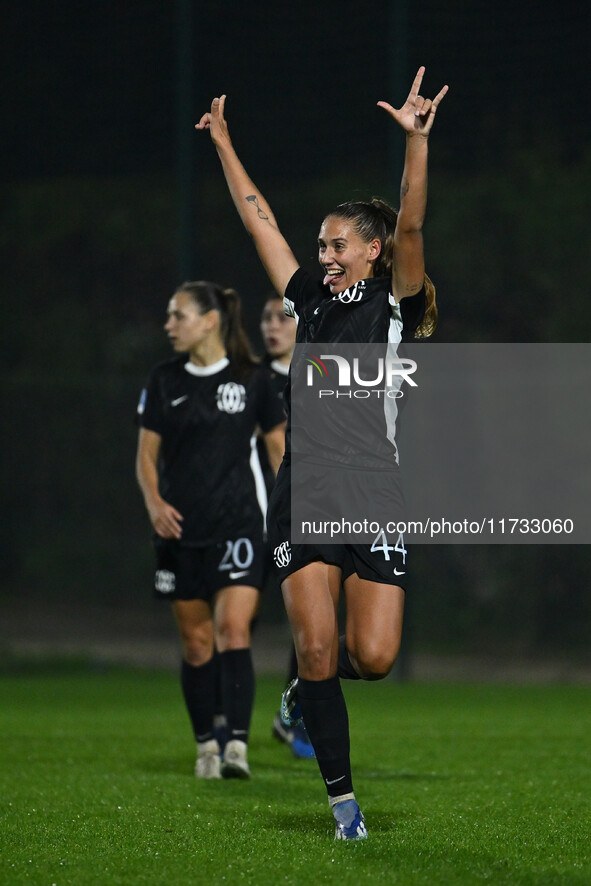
{"x": 197, "y": 416}
{"x": 372, "y": 258}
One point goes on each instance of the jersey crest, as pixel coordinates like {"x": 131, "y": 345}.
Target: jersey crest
{"x": 354, "y": 293}
{"x": 231, "y": 397}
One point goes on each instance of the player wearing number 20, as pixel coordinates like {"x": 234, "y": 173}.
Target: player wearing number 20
{"x": 197, "y": 417}
{"x": 374, "y": 290}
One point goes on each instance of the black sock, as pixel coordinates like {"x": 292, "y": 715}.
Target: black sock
{"x": 327, "y": 723}
{"x": 198, "y": 686}
{"x": 218, "y": 703}
{"x": 345, "y": 669}
{"x": 237, "y": 691}
{"x": 293, "y": 666}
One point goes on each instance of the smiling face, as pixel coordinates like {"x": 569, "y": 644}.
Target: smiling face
{"x": 278, "y": 330}
{"x": 344, "y": 256}
{"x": 186, "y": 326}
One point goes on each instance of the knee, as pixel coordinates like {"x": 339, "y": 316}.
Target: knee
{"x": 196, "y": 653}
{"x": 375, "y": 663}
{"x": 314, "y": 659}
{"x": 197, "y": 647}
{"x": 232, "y": 635}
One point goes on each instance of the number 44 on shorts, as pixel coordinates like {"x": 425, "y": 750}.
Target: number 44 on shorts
{"x": 380, "y": 543}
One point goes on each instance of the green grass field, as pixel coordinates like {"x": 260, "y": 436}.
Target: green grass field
{"x": 459, "y": 784}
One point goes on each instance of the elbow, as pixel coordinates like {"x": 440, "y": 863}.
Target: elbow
{"x": 139, "y": 477}
{"x": 410, "y": 224}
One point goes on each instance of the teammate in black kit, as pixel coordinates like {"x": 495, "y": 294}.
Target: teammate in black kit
{"x": 374, "y": 290}
{"x": 279, "y": 332}
{"x": 197, "y": 416}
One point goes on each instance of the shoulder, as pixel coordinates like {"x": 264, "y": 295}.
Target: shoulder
{"x": 301, "y": 287}
{"x": 378, "y": 286}
{"x": 261, "y": 380}
{"x": 161, "y": 383}
{"x": 276, "y": 375}
{"x": 168, "y": 368}
{"x": 261, "y": 376}
{"x": 247, "y": 372}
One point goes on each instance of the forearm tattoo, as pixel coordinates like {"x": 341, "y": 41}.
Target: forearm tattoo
{"x": 404, "y": 187}
{"x": 252, "y": 198}
{"x": 413, "y": 287}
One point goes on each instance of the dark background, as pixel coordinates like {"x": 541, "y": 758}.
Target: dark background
{"x": 101, "y": 220}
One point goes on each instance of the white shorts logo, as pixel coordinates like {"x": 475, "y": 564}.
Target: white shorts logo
{"x": 164, "y": 581}
{"x": 282, "y": 554}
{"x": 231, "y": 397}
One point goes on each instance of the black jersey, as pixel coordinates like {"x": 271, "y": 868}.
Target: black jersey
{"x": 277, "y": 374}
{"x": 364, "y": 313}
{"x": 206, "y": 417}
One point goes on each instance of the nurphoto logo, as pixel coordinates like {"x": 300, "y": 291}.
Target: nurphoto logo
{"x": 390, "y": 372}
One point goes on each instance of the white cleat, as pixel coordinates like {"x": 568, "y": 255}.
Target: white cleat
{"x": 349, "y": 820}
{"x": 209, "y": 761}
{"x": 235, "y": 764}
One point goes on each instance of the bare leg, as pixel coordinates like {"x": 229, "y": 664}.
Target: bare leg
{"x": 194, "y": 620}
{"x": 374, "y": 626}
{"x": 311, "y": 598}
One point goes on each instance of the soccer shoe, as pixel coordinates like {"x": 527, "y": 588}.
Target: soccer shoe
{"x": 280, "y": 731}
{"x": 291, "y": 709}
{"x": 208, "y": 763}
{"x": 235, "y": 764}
{"x": 295, "y": 737}
{"x": 301, "y": 746}
{"x": 350, "y": 821}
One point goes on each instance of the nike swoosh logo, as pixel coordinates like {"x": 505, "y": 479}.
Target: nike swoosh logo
{"x": 398, "y": 572}
{"x": 334, "y": 780}
{"x": 179, "y": 400}
{"x": 235, "y": 575}
{"x": 317, "y": 309}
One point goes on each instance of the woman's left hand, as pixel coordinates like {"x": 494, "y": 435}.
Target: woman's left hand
{"x": 417, "y": 114}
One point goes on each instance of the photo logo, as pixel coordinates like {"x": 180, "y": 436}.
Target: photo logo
{"x": 389, "y": 372}
{"x": 315, "y": 363}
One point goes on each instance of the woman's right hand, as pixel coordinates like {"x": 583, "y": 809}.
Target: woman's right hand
{"x": 165, "y": 519}
{"x": 215, "y": 121}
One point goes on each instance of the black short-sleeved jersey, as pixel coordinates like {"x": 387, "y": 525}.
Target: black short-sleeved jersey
{"x": 206, "y": 417}
{"x": 277, "y": 374}
{"x": 364, "y": 313}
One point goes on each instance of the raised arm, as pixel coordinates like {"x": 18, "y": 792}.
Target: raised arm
{"x": 416, "y": 117}
{"x": 255, "y": 212}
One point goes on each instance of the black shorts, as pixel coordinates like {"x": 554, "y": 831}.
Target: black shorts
{"x": 198, "y": 573}
{"x": 383, "y": 561}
